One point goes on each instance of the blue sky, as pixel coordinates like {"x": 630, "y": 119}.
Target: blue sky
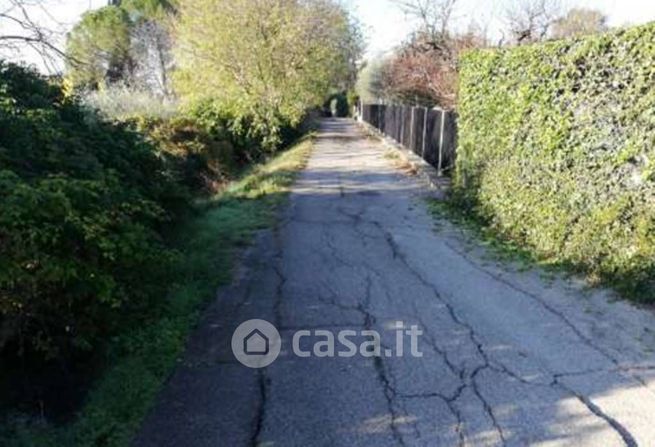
{"x": 384, "y": 24}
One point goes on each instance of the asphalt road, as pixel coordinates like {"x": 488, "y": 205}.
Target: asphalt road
{"x": 508, "y": 357}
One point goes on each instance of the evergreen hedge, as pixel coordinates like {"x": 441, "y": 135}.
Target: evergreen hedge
{"x": 557, "y": 151}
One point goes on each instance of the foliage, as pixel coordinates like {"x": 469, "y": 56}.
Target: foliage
{"x": 423, "y": 70}
{"x": 556, "y": 151}
{"x": 82, "y": 204}
{"x": 151, "y": 51}
{"x": 149, "y": 9}
{"x": 338, "y": 105}
{"x": 264, "y": 61}
{"x": 474, "y": 229}
{"x": 143, "y": 357}
{"x": 128, "y": 42}
{"x": 371, "y": 86}
{"x": 203, "y": 160}
{"x": 204, "y": 147}
{"x": 98, "y": 47}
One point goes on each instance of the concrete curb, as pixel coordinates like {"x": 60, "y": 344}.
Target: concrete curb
{"x": 440, "y": 185}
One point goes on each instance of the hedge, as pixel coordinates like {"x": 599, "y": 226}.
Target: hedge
{"x": 557, "y": 151}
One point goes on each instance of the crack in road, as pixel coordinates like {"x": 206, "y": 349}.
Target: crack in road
{"x": 358, "y": 219}
{"x": 356, "y": 249}
{"x": 260, "y": 414}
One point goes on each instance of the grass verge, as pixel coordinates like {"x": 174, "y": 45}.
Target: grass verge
{"x": 505, "y": 249}
{"x": 496, "y": 246}
{"x": 141, "y": 360}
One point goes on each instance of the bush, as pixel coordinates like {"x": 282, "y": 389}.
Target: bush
{"x": 250, "y": 143}
{"x": 337, "y": 105}
{"x": 556, "y": 150}
{"x": 203, "y": 160}
{"x": 83, "y": 207}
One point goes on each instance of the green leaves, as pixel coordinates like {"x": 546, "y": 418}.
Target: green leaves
{"x": 99, "y": 47}
{"x": 556, "y": 150}
{"x": 82, "y": 204}
{"x": 265, "y": 61}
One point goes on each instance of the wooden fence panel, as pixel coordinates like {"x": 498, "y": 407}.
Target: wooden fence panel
{"x": 429, "y": 133}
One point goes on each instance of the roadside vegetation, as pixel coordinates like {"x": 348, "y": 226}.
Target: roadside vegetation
{"x": 128, "y": 185}
{"x": 554, "y": 157}
{"x": 555, "y": 152}
{"x": 140, "y": 357}
{"x": 424, "y": 69}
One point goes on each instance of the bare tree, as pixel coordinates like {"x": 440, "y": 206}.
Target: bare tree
{"x": 580, "y": 22}
{"x": 18, "y": 31}
{"x": 531, "y": 20}
{"x": 424, "y": 69}
{"x": 434, "y": 16}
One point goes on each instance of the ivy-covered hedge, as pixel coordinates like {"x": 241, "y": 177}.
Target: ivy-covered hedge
{"x": 557, "y": 151}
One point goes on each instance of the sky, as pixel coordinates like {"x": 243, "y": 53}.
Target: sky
{"x": 385, "y": 26}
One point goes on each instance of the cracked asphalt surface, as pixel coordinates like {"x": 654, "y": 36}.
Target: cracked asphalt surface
{"x": 509, "y": 357}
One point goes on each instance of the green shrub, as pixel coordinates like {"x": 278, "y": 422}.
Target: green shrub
{"x": 83, "y": 204}
{"x": 249, "y": 141}
{"x": 557, "y": 150}
{"x": 337, "y": 105}
{"x": 202, "y": 160}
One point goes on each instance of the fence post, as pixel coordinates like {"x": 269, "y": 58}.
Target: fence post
{"x": 441, "y": 138}
{"x": 411, "y": 131}
{"x": 425, "y": 131}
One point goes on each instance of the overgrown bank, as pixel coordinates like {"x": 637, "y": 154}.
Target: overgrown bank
{"x": 107, "y": 259}
{"x": 556, "y": 151}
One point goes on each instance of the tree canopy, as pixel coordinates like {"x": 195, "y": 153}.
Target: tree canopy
{"x": 267, "y": 60}
{"x": 123, "y": 42}
{"x": 99, "y": 44}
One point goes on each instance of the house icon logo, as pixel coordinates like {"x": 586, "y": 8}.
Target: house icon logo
{"x": 256, "y": 343}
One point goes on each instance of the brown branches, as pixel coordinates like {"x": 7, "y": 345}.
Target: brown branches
{"x": 531, "y": 20}
{"x": 21, "y": 32}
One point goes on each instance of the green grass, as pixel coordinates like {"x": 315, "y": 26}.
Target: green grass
{"x": 503, "y": 248}
{"x": 496, "y": 246}
{"x": 142, "y": 359}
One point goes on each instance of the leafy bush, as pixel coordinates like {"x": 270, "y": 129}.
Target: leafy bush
{"x": 83, "y": 204}
{"x": 249, "y": 143}
{"x": 556, "y": 150}
{"x": 203, "y": 159}
{"x": 337, "y": 105}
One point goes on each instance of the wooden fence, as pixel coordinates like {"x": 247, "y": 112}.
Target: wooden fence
{"x": 429, "y": 133}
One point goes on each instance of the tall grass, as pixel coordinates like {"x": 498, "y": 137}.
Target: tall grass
{"x": 121, "y": 102}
